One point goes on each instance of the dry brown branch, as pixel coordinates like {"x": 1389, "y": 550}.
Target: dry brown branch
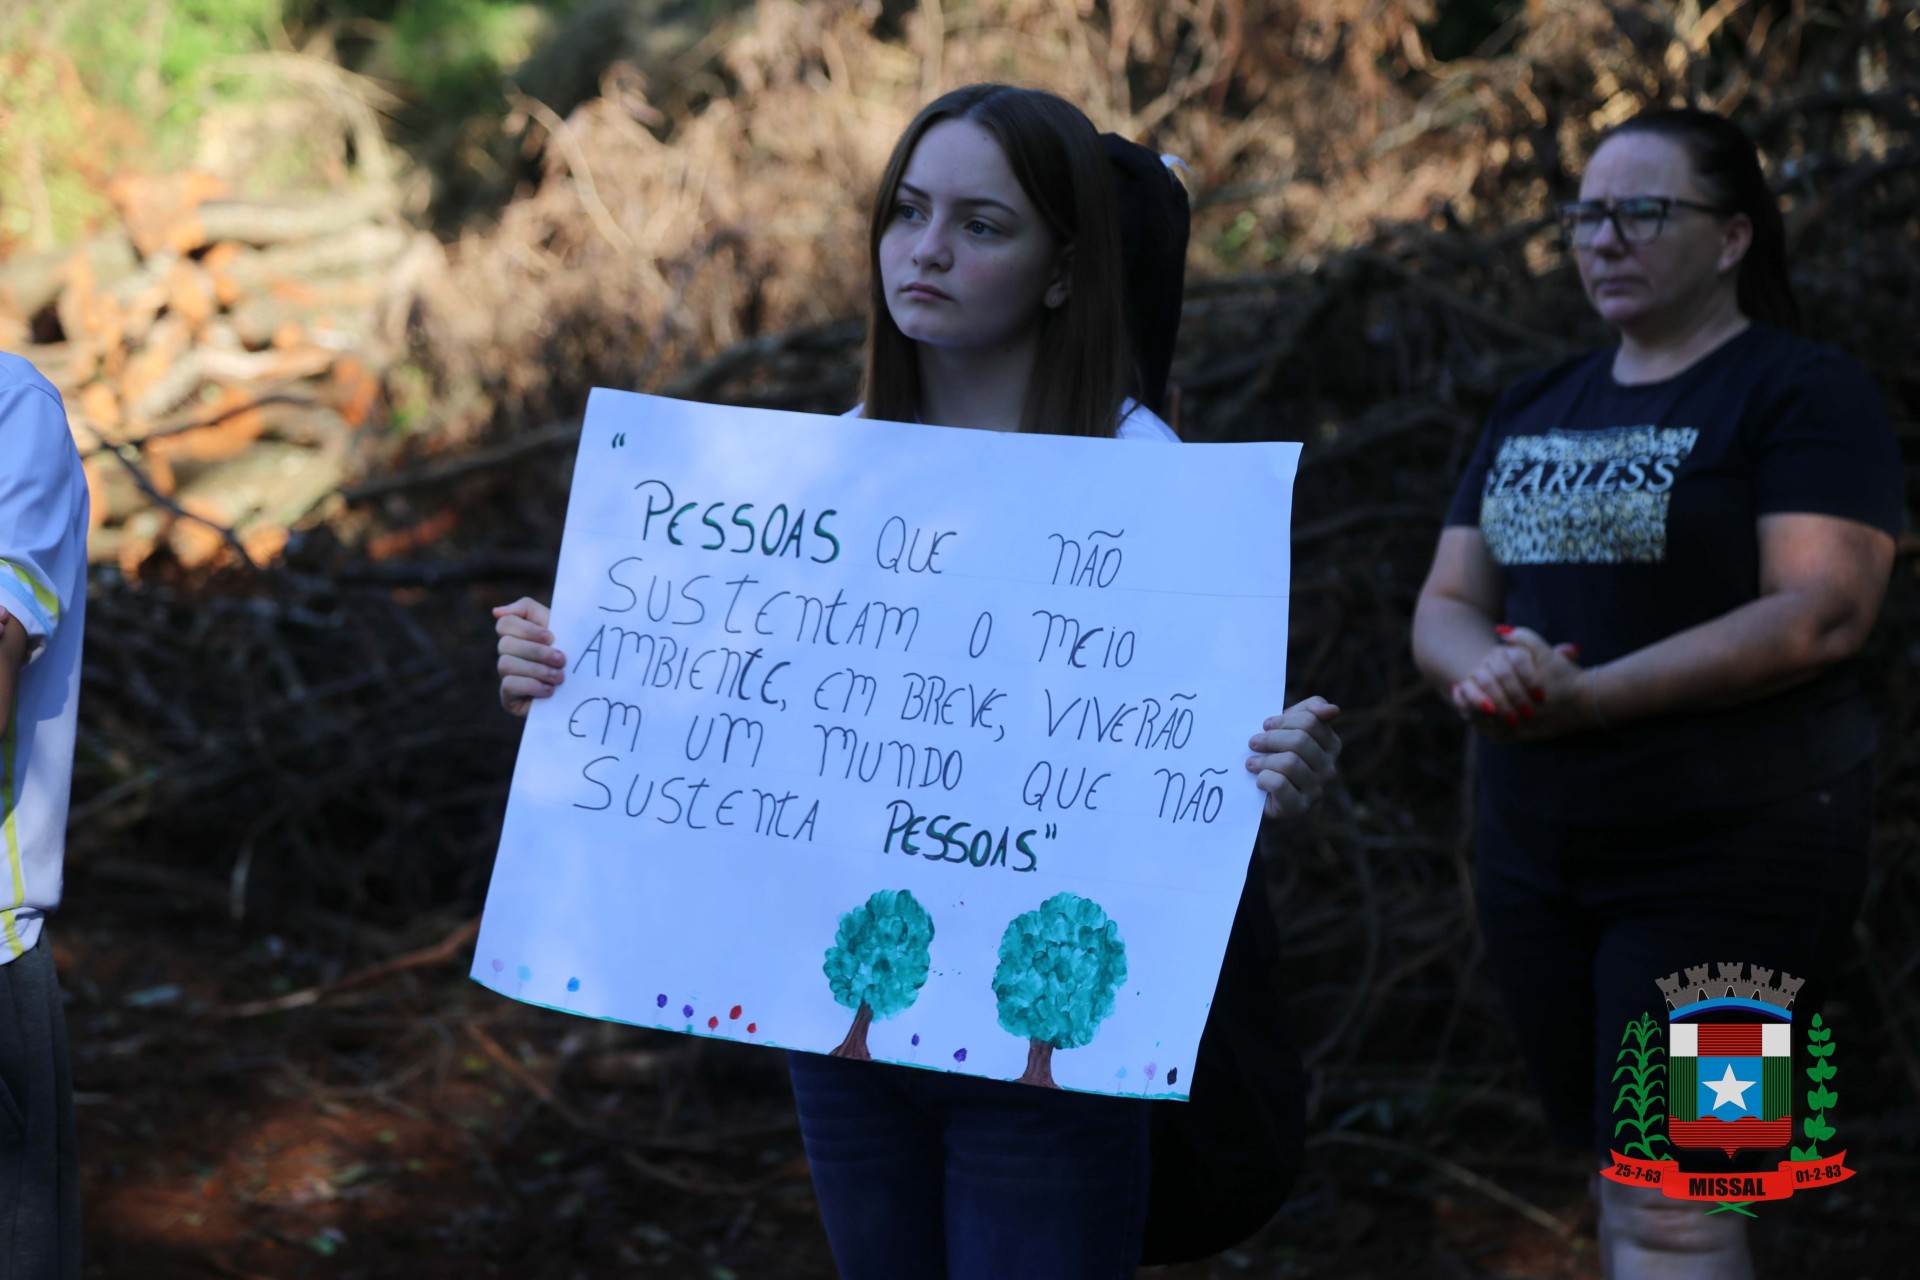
{"x": 1451, "y": 1170}
{"x": 449, "y": 949}
{"x": 555, "y": 436}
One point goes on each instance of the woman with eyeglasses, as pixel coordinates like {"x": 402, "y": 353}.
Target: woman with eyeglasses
{"x": 1654, "y": 575}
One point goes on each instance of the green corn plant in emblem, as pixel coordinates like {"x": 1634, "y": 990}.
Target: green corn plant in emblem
{"x": 1644, "y": 1095}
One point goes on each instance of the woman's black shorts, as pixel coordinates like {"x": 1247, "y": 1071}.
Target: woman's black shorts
{"x": 1580, "y": 921}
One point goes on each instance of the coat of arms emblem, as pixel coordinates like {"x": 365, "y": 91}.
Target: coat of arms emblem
{"x": 1723, "y": 1083}
{"x": 1730, "y": 1060}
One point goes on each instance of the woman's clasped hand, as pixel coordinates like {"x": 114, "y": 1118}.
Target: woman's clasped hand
{"x": 1527, "y": 690}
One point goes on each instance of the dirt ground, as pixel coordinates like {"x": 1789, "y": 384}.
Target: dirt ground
{"x": 422, "y": 1127}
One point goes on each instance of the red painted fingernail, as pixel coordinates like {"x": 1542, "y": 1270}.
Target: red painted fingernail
{"x": 1503, "y": 630}
{"x": 1486, "y": 706}
{"x": 1573, "y": 651}
{"x": 1539, "y": 695}
{"x": 1526, "y": 713}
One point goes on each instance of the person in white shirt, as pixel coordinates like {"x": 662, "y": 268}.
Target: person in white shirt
{"x": 43, "y": 602}
{"x": 997, "y": 304}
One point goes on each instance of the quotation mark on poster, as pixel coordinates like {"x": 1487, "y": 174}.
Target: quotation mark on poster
{"x": 619, "y": 439}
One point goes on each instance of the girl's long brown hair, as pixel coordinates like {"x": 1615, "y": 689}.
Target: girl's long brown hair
{"x": 1079, "y": 375}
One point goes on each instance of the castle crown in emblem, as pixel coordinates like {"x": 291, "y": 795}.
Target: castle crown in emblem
{"x": 1758, "y": 985}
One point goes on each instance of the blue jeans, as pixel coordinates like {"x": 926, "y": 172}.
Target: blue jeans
{"x": 923, "y": 1175}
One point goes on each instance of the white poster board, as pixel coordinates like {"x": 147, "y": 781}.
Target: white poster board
{"x": 907, "y": 741}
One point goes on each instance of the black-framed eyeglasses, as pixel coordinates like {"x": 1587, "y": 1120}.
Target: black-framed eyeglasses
{"x": 1637, "y": 220}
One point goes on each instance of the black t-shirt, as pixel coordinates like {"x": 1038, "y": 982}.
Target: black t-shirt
{"x": 1620, "y": 515}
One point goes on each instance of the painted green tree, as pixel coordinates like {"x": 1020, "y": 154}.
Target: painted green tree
{"x": 1060, "y": 965}
{"x": 878, "y": 962}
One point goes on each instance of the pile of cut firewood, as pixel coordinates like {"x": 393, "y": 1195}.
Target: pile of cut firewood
{"x": 217, "y": 358}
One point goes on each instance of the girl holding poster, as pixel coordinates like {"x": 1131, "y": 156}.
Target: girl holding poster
{"x": 999, "y": 301}
{"x": 1655, "y": 571}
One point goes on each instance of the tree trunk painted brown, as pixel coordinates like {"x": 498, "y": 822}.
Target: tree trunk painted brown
{"x": 1039, "y": 1065}
{"x": 855, "y": 1045}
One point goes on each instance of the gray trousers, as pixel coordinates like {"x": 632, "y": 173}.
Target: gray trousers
{"x": 39, "y": 1174}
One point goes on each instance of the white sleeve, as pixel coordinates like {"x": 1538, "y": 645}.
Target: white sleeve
{"x": 39, "y": 489}
{"x": 1142, "y": 423}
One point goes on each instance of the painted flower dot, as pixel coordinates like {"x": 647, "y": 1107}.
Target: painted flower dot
{"x": 525, "y": 973}
{"x": 959, "y": 1055}
{"x": 1121, "y": 1074}
{"x": 1173, "y": 1073}
{"x": 734, "y": 1012}
{"x": 498, "y": 965}
{"x": 712, "y": 1023}
{"x": 686, "y": 1011}
{"x": 752, "y": 1027}
{"x": 573, "y": 984}
{"x": 660, "y": 1000}
{"x": 916, "y": 1038}
{"x": 1151, "y": 1068}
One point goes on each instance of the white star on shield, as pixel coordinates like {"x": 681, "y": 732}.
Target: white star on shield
{"x": 1729, "y": 1089}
